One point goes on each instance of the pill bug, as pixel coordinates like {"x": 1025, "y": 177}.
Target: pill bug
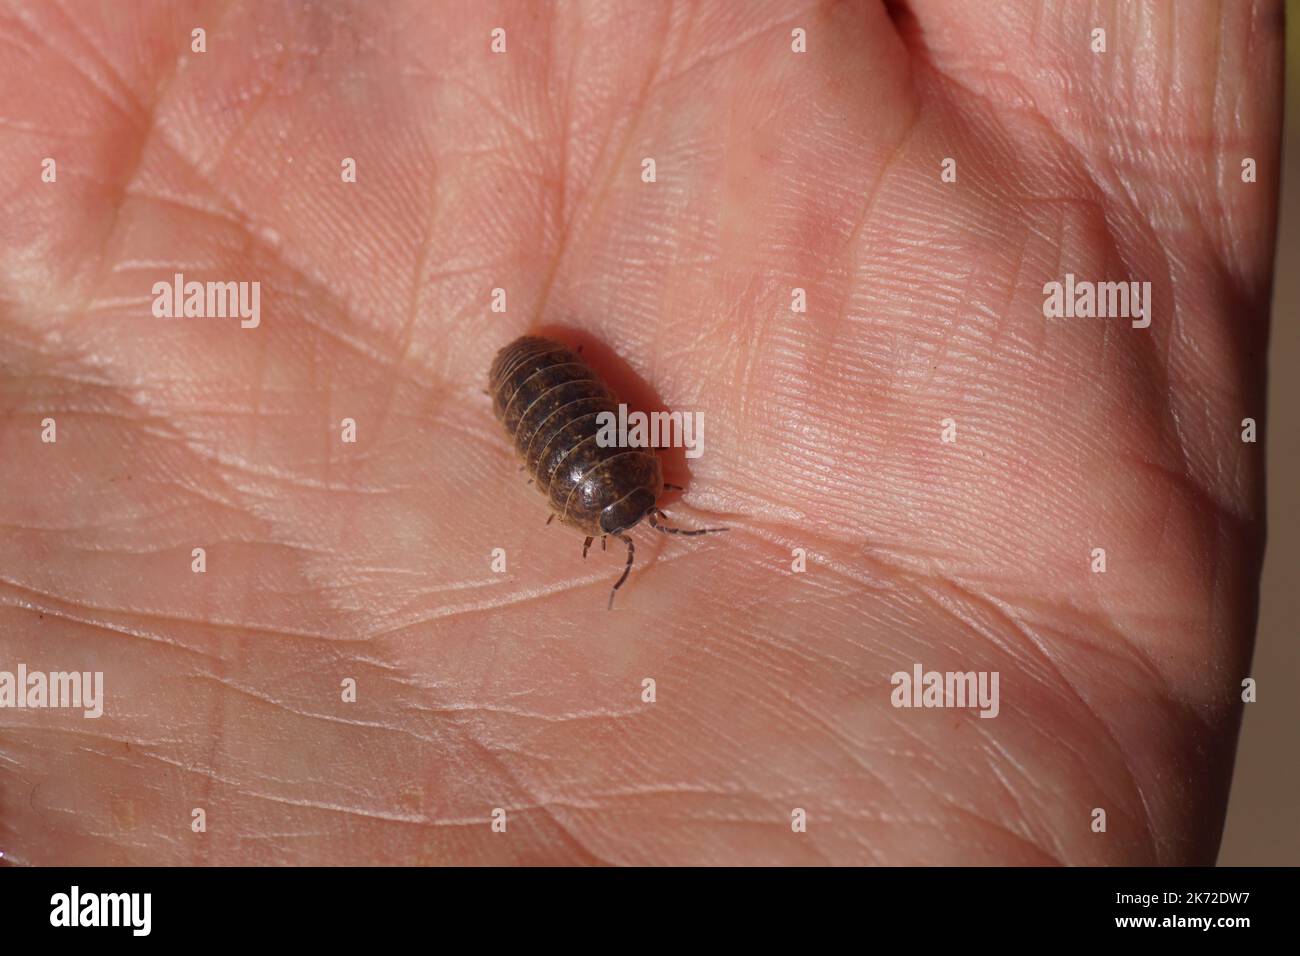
{"x": 549, "y": 399}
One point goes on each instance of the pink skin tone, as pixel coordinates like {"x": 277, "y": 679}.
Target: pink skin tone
{"x": 371, "y": 561}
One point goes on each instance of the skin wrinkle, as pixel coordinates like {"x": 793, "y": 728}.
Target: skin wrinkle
{"x": 508, "y": 601}
{"x": 213, "y": 777}
{"x": 206, "y": 623}
{"x": 185, "y": 204}
{"x": 122, "y": 745}
{"x": 744, "y": 40}
{"x": 1078, "y": 154}
{"x": 39, "y": 38}
{"x": 602, "y": 193}
{"x": 216, "y": 777}
{"x": 1215, "y": 507}
{"x": 851, "y": 244}
{"x": 1053, "y": 664}
{"x": 91, "y": 50}
{"x": 302, "y": 280}
{"x": 686, "y": 32}
{"x": 501, "y": 762}
{"x": 248, "y": 114}
{"x": 843, "y": 741}
{"x": 996, "y": 344}
{"x": 1037, "y": 855}
{"x": 227, "y": 464}
{"x": 41, "y": 609}
{"x": 1002, "y": 610}
{"x": 1021, "y": 800}
{"x": 304, "y": 284}
{"x": 1161, "y": 388}
{"x": 132, "y": 166}
{"x": 1150, "y": 234}
{"x": 1148, "y": 814}
{"x": 1101, "y": 636}
{"x": 408, "y": 326}
{"x": 253, "y": 694}
{"x": 566, "y": 717}
{"x": 562, "y": 175}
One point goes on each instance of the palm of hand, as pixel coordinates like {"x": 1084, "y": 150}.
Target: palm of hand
{"x": 329, "y": 561}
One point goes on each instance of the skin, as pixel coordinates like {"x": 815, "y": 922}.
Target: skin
{"x": 371, "y": 561}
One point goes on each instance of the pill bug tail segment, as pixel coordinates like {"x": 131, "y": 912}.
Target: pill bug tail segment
{"x": 627, "y": 569}
{"x": 667, "y": 530}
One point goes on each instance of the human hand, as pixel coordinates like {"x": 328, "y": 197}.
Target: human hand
{"x": 370, "y": 561}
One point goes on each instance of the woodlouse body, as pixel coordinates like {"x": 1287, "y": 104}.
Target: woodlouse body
{"x": 549, "y": 400}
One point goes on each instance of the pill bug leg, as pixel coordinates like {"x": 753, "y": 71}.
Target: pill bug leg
{"x": 585, "y": 545}
{"x": 627, "y": 569}
{"x": 667, "y": 530}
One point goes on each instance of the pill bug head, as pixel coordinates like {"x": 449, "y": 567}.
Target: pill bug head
{"x": 627, "y": 511}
